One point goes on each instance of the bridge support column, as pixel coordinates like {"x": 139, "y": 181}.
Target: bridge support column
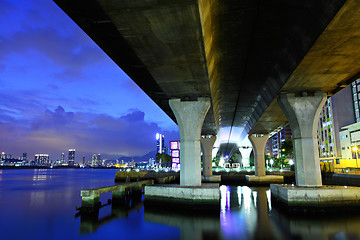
{"x": 190, "y": 194}
{"x": 207, "y": 143}
{"x": 245, "y": 149}
{"x": 302, "y": 114}
{"x": 259, "y": 142}
{"x": 190, "y": 116}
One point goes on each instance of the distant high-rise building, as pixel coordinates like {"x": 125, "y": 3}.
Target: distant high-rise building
{"x": 96, "y": 160}
{"x": 71, "y": 157}
{"x": 160, "y": 147}
{"x": 42, "y": 159}
{"x": 62, "y": 159}
{"x": 24, "y": 157}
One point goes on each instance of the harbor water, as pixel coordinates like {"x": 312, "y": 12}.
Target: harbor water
{"x": 40, "y": 204}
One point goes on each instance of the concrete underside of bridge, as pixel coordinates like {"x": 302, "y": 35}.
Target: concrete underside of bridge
{"x": 240, "y": 54}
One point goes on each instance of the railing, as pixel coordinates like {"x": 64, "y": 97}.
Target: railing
{"x": 347, "y": 170}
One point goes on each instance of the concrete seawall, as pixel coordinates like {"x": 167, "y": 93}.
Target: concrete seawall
{"x": 231, "y": 178}
{"x": 341, "y": 179}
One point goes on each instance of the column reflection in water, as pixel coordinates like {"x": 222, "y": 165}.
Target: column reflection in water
{"x": 245, "y": 213}
{"x": 120, "y": 208}
{"x": 195, "y": 226}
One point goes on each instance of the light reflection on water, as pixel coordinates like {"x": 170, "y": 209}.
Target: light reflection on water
{"x": 43, "y": 203}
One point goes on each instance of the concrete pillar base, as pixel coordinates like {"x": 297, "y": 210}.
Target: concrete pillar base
{"x": 206, "y": 196}
{"x": 211, "y": 179}
{"x": 252, "y": 179}
{"x": 324, "y": 196}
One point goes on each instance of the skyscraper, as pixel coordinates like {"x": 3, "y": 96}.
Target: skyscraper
{"x": 42, "y": 159}
{"x": 71, "y": 157}
{"x": 62, "y": 159}
{"x": 274, "y": 143}
{"x": 160, "y": 147}
{"x": 336, "y": 113}
{"x": 96, "y": 160}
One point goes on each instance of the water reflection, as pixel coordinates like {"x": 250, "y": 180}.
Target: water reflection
{"x": 192, "y": 226}
{"x": 40, "y": 175}
{"x": 328, "y": 226}
{"x": 46, "y": 211}
{"x": 246, "y": 213}
{"x": 120, "y": 208}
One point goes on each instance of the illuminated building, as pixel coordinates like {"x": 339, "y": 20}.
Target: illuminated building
{"x": 160, "y": 147}
{"x": 175, "y": 155}
{"x": 274, "y": 143}
{"x": 62, "y": 159}
{"x": 96, "y": 160}
{"x": 350, "y": 141}
{"x": 355, "y": 90}
{"x": 336, "y": 113}
{"x": 71, "y": 157}
{"x": 42, "y": 159}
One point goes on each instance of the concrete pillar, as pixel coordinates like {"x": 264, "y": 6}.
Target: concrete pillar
{"x": 207, "y": 143}
{"x": 245, "y": 154}
{"x": 303, "y": 115}
{"x": 245, "y": 149}
{"x": 190, "y": 116}
{"x": 259, "y": 142}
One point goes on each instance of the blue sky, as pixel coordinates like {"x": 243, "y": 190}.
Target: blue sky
{"x": 60, "y": 91}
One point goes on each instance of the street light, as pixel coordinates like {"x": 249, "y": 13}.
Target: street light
{"x": 355, "y": 149}
{"x": 271, "y": 162}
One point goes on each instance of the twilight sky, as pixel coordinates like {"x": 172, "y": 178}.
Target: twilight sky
{"x": 60, "y": 91}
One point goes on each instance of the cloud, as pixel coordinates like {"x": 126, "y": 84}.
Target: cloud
{"x": 67, "y": 47}
{"x": 56, "y": 131}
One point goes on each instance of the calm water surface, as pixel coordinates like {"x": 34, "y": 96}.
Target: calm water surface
{"x": 40, "y": 204}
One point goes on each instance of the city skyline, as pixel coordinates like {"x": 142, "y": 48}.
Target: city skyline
{"x": 60, "y": 90}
